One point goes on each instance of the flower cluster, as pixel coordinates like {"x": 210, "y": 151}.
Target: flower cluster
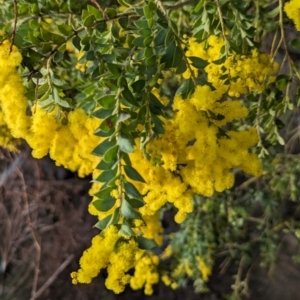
{"x": 162, "y": 186}
{"x": 42, "y": 130}
{"x": 197, "y": 148}
{"x": 196, "y": 155}
{"x": 292, "y": 9}
{"x": 238, "y": 74}
{"x": 204, "y": 268}
{"x": 145, "y": 274}
{"x": 6, "y": 139}
{"x": 12, "y": 99}
{"x": 118, "y": 256}
{"x": 78, "y": 132}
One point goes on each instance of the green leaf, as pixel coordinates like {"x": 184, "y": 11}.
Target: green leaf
{"x": 107, "y": 101}
{"x": 114, "y": 69}
{"x": 124, "y": 3}
{"x": 59, "y": 100}
{"x": 90, "y": 55}
{"x": 58, "y": 56}
{"x": 280, "y": 140}
{"x": 148, "y": 13}
{"x": 133, "y": 174}
{"x": 147, "y": 41}
{"x": 59, "y": 82}
{"x": 102, "y": 224}
{"x": 115, "y": 217}
{"x": 220, "y": 60}
{"x": 111, "y": 154}
{"x": 145, "y": 244}
{"x": 104, "y": 205}
{"x": 107, "y": 176}
{"x": 104, "y": 193}
{"x": 173, "y": 56}
{"x": 126, "y": 158}
{"x": 135, "y": 202}
{"x": 95, "y": 11}
{"x": 273, "y": 13}
{"x": 89, "y": 21}
{"x": 126, "y": 230}
{"x": 58, "y": 39}
{"x": 23, "y": 8}
{"x": 34, "y": 55}
{"x": 109, "y": 220}
{"x": 153, "y": 100}
{"x": 152, "y": 6}
{"x": 104, "y": 133}
{"x": 129, "y": 97}
{"x": 186, "y": 89}
{"x": 160, "y": 37}
{"x": 128, "y": 211}
{"x": 103, "y": 147}
{"x": 139, "y": 41}
{"x": 282, "y": 82}
{"x": 131, "y": 191}
{"x": 103, "y": 113}
{"x": 158, "y": 124}
{"x": 65, "y": 29}
{"x": 34, "y": 24}
{"x": 103, "y": 165}
{"x": 199, "y": 5}
{"x": 106, "y": 126}
{"x": 139, "y": 85}
{"x": 76, "y": 42}
{"x": 181, "y": 68}
{"x": 111, "y": 12}
{"x": 295, "y": 43}
{"x": 46, "y": 35}
{"x": 125, "y": 143}
{"x": 46, "y": 48}
{"x": 198, "y": 62}
{"x": 145, "y": 32}
{"x": 124, "y": 22}
{"x": 123, "y": 116}
{"x": 141, "y": 23}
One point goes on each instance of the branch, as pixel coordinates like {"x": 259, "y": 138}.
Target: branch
{"x": 101, "y": 9}
{"x": 13, "y": 34}
{"x": 75, "y": 32}
{"x": 222, "y": 24}
{"x": 178, "y": 5}
{"x": 287, "y": 55}
{"x": 51, "y": 279}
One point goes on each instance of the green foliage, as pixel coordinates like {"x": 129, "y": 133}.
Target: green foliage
{"x": 76, "y": 55}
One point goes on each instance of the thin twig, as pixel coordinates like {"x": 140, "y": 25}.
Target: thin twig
{"x": 162, "y": 8}
{"x": 35, "y": 237}
{"x": 222, "y": 24}
{"x": 101, "y": 9}
{"x": 11, "y": 169}
{"x": 51, "y": 279}
{"x": 238, "y": 281}
{"x": 13, "y": 34}
{"x": 246, "y": 183}
{"x": 291, "y": 62}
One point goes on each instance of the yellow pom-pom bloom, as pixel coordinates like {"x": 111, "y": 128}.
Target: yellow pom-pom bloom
{"x": 292, "y": 9}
